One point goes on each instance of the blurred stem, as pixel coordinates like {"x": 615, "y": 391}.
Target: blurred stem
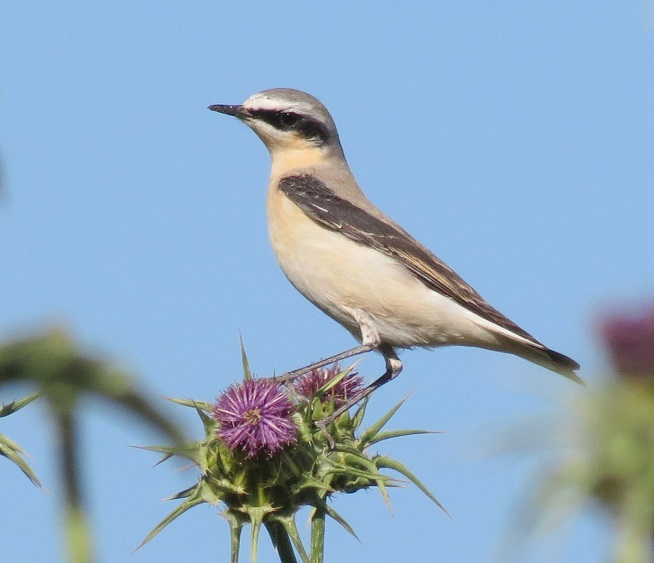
{"x": 76, "y": 526}
{"x": 634, "y": 539}
{"x": 281, "y": 541}
{"x": 318, "y": 536}
{"x": 630, "y": 547}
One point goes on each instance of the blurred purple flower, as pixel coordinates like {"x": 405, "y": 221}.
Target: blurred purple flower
{"x": 255, "y": 416}
{"x": 629, "y": 341}
{"x": 345, "y": 389}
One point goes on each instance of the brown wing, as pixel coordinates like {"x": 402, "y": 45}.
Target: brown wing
{"x": 323, "y": 205}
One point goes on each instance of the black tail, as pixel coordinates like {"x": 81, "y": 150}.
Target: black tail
{"x": 553, "y": 360}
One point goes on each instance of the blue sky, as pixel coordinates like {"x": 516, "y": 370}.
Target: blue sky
{"x": 514, "y": 139}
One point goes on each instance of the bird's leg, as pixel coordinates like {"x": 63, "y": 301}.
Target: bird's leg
{"x": 370, "y": 340}
{"x": 393, "y": 369}
{"x": 291, "y": 375}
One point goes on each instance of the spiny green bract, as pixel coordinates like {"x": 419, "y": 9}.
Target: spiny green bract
{"x": 270, "y": 489}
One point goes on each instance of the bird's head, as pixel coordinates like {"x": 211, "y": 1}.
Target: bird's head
{"x": 287, "y": 120}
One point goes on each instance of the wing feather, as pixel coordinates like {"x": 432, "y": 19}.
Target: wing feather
{"x": 324, "y": 206}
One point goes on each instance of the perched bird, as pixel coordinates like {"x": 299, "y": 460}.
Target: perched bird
{"x": 355, "y": 263}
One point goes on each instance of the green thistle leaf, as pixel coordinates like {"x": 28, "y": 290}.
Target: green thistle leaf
{"x": 247, "y": 374}
{"x": 357, "y": 419}
{"x": 186, "y": 451}
{"x": 388, "y": 435}
{"x": 383, "y": 461}
{"x": 368, "y": 476}
{"x": 12, "y": 451}
{"x": 334, "y": 381}
{"x": 198, "y": 405}
{"x": 322, "y": 505}
{"x": 311, "y": 483}
{"x": 186, "y": 493}
{"x": 373, "y": 430}
{"x": 14, "y": 406}
{"x": 181, "y": 509}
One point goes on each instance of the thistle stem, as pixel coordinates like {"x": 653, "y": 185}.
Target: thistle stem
{"x": 254, "y": 539}
{"x": 75, "y": 521}
{"x": 291, "y": 528}
{"x": 318, "y": 536}
{"x": 235, "y": 540}
{"x": 280, "y": 539}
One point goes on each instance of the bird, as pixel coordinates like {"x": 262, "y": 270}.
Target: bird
{"x": 354, "y": 262}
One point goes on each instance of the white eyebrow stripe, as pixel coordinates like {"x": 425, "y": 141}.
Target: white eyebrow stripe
{"x": 262, "y": 103}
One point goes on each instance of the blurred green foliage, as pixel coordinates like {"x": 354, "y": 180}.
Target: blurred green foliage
{"x": 61, "y": 375}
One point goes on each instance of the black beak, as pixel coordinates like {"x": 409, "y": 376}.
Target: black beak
{"x": 236, "y": 111}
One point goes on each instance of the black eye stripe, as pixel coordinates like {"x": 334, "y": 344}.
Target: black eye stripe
{"x": 278, "y": 119}
{"x": 291, "y": 121}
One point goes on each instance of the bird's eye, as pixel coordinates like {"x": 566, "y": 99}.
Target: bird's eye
{"x": 288, "y": 119}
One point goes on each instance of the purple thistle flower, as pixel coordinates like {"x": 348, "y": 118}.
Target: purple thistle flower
{"x": 629, "y": 341}
{"x": 345, "y": 389}
{"x": 255, "y": 416}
